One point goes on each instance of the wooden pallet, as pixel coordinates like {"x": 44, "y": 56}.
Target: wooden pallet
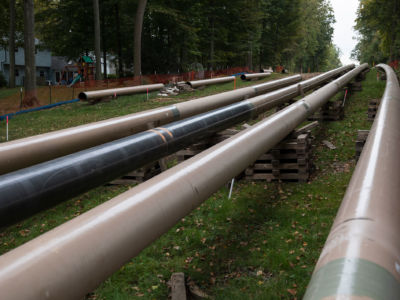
{"x": 331, "y": 111}
{"x": 360, "y": 142}
{"x": 355, "y": 86}
{"x": 287, "y": 161}
{"x": 373, "y": 108}
{"x": 362, "y": 76}
{"x": 140, "y": 175}
{"x": 195, "y": 149}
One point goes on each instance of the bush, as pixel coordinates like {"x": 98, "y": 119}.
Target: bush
{"x": 3, "y": 81}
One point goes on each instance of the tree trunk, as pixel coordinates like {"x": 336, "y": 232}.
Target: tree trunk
{"x": 137, "y": 57}
{"x": 103, "y": 38}
{"x": 250, "y": 56}
{"x": 119, "y": 44}
{"x": 212, "y": 44}
{"x": 11, "y": 45}
{"x": 30, "y": 98}
{"x": 96, "y": 15}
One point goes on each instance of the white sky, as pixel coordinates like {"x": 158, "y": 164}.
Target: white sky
{"x": 345, "y": 14}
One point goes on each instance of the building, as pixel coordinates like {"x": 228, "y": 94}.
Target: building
{"x": 43, "y": 64}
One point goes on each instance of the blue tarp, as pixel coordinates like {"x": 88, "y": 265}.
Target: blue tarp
{"x": 239, "y": 74}
{"x": 37, "y": 109}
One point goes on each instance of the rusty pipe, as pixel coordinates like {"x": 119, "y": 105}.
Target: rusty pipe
{"x": 361, "y": 257}
{"x": 74, "y": 258}
{"x": 38, "y": 187}
{"x": 254, "y": 76}
{"x": 91, "y": 95}
{"x": 198, "y": 83}
{"x": 29, "y": 151}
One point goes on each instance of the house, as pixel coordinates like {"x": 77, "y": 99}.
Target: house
{"x": 49, "y": 69}
{"x": 62, "y": 71}
{"x": 43, "y": 64}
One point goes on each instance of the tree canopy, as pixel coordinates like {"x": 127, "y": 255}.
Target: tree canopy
{"x": 180, "y": 33}
{"x": 378, "y": 25}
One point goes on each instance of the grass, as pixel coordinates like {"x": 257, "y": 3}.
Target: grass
{"x": 262, "y": 243}
{"x": 81, "y": 113}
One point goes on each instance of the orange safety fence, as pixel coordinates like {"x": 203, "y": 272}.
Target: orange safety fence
{"x": 58, "y": 93}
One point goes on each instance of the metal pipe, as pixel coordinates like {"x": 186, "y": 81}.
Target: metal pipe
{"x": 361, "y": 257}
{"x": 91, "y": 95}
{"x": 32, "y": 189}
{"x": 29, "y": 151}
{"x": 198, "y": 83}
{"x": 74, "y": 258}
{"x": 254, "y": 76}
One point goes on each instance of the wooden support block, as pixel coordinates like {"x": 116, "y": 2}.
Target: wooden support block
{"x": 331, "y": 111}
{"x": 275, "y": 163}
{"x": 362, "y": 136}
{"x": 178, "y": 287}
{"x": 304, "y": 129}
{"x": 289, "y": 160}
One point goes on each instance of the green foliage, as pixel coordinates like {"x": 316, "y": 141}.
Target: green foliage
{"x": 5, "y": 20}
{"x": 378, "y": 24}
{"x": 181, "y": 33}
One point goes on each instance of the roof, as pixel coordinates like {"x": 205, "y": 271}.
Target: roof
{"x": 87, "y": 59}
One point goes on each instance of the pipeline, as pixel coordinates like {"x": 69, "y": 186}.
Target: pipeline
{"x": 198, "y": 83}
{"x": 32, "y": 189}
{"x": 254, "y": 76}
{"x": 86, "y": 250}
{"x": 361, "y": 257}
{"x": 29, "y": 151}
{"x": 92, "y": 95}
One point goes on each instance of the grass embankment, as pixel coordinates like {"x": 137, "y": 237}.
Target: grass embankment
{"x": 262, "y": 243}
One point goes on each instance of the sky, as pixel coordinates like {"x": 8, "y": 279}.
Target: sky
{"x": 345, "y": 15}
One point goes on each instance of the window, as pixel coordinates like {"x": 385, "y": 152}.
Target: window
{"x": 16, "y": 49}
{"x": 42, "y": 73}
{"x": 16, "y": 72}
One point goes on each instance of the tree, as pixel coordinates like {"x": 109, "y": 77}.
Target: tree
{"x": 96, "y": 14}
{"x": 29, "y": 47}
{"x": 137, "y": 57}
{"x": 11, "y": 45}
{"x": 378, "y": 25}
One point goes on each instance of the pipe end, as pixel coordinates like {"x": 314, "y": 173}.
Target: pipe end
{"x": 82, "y": 96}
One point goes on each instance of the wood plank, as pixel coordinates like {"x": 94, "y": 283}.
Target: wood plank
{"x": 178, "y": 287}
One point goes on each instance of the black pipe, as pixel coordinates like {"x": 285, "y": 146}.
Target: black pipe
{"x": 27, "y": 191}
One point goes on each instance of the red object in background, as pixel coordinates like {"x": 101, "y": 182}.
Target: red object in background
{"x": 278, "y": 69}
{"x": 162, "y": 78}
{"x": 394, "y": 64}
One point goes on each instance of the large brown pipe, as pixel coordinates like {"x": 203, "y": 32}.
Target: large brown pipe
{"x": 29, "y": 190}
{"x": 91, "y": 95}
{"x": 25, "y": 152}
{"x": 254, "y": 76}
{"x": 198, "y": 83}
{"x": 74, "y": 258}
{"x": 361, "y": 257}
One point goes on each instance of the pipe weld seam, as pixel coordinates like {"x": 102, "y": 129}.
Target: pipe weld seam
{"x": 166, "y": 130}
{"x": 160, "y": 134}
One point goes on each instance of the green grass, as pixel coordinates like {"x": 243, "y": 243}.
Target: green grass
{"x": 262, "y": 243}
{"x": 81, "y": 113}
